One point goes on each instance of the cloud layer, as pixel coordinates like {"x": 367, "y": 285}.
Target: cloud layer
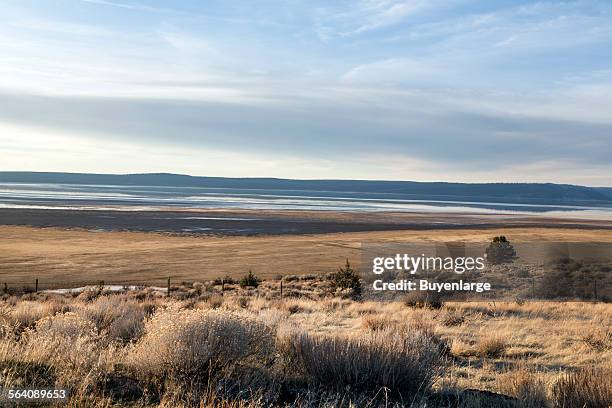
{"x": 432, "y": 90}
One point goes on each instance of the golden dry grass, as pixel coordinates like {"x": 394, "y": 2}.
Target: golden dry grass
{"x": 60, "y": 257}
{"x": 199, "y": 348}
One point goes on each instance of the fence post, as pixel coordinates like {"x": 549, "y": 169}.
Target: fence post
{"x": 533, "y": 288}
{"x": 5, "y": 287}
{"x": 281, "y": 287}
{"x": 168, "y": 292}
{"x": 222, "y": 285}
{"x": 36, "y": 286}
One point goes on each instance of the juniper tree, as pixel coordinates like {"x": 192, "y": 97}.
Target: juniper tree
{"x": 346, "y": 278}
{"x": 500, "y": 251}
{"x": 249, "y": 280}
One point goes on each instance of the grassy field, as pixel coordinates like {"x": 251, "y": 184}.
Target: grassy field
{"x": 214, "y": 343}
{"x": 313, "y": 348}
{"x": 65, "y": 258}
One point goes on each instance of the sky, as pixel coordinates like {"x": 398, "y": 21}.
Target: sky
{"x": 425, "y": 90}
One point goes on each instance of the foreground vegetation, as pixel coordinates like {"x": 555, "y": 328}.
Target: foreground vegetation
{"x": 247, "y": 347}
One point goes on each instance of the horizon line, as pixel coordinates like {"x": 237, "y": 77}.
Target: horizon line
{"x": 295, "y": 179}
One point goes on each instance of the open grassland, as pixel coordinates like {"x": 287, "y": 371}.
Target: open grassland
{"x": 250, "y": 348}
{"x": 213, "y": 343}
{"x": 65, "y": 258}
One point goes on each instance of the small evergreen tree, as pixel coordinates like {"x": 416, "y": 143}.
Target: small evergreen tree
{"x": 249, "y": 280}
{"x": 346, "y": 278}
{"x": 500, "y": 251}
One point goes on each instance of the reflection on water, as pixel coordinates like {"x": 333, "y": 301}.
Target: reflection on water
{"x": 141, "y": 198}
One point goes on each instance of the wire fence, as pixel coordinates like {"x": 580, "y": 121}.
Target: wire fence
{"x": 165, "y": 284}
{"x": 38, "y": 284}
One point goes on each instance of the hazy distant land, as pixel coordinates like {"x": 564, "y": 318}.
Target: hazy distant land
{"x": 253, "y": 206}
{"x": 531, "y": 193}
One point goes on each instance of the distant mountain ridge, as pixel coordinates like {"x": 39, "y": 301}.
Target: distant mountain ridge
{"x": 607, "y": 191}
{"x": 536, "y": 193}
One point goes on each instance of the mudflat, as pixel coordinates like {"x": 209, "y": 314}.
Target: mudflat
{"x": 263, "y": 222}
{"x": 61, "y": 257}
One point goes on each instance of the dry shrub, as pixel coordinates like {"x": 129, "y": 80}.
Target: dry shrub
{"x": 89, "y": 294}
{"x": 475, "y": 398}
{"x": 452, "y": 317}
{"x": 424, "y": 299}
{"x": 7, "y": 326}
{"x": 404, "y": 363}
{"x": 459, "y": 348}
{"x": 598, "y": 338}
{"x": 67, "y": 340}
{"x": 239, "y": 302}
{"x": 285, "y": 345}
{"x": 146, "y": 293}
{"x": 365, "y": 308}
{"x": 22, "y": 366}
{"x": 491, "y": 345}
{"x": 420, "y": 321}
{"x": 296, "y": 306}
{"x": 187, "y": 345}
{"x": 67, "y": 346}
{"x": 214, "y": 301}
{"x": 66, "y": 326}
{"x": 119, "y": 319}
{"x": 148, "y": 307}
{"x": 527, "y": 386}
{"x": 333, "y": 305}
{"x": 26, "y": 313}
{"x": 272, "y": 317}
{"x": 375, "y": 323}
{"x": 259, "y": 303}
{"x": 586, "y": 388}
{"x": 199, "y": 287}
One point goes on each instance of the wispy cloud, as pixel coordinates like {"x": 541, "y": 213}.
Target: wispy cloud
{"x": 385, "y": 13}
{"x": 131, "y": 6}
{"x": 367, "y": 16}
